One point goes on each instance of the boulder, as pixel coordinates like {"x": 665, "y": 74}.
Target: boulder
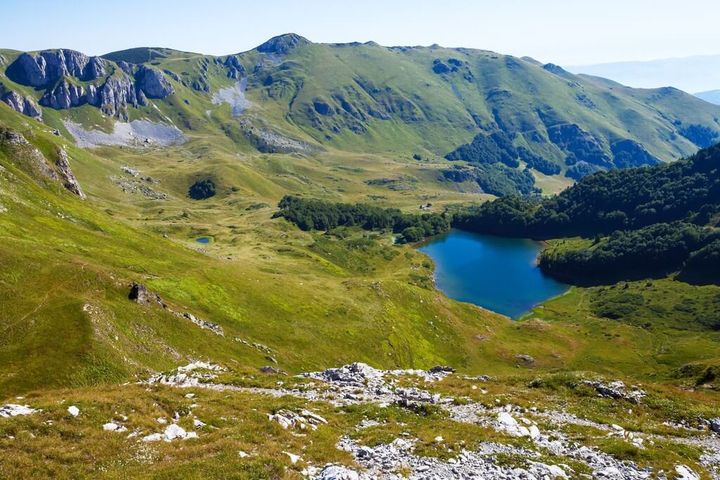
{"x": 526, "y": 360}
{"x": 139, "y": 294}
{"x": 715, "y": 425}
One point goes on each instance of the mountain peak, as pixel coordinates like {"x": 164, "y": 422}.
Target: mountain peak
{"x": 283, "y": 43}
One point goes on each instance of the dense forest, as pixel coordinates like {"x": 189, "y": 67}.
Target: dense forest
{"x": 314, "y": 214}
{"x": 646, "y": 221}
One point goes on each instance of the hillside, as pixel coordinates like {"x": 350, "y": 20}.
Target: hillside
{"x": 644, "y": 222}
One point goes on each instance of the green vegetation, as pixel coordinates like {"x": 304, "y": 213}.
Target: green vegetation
{"x": 312, "y": 214}
{"x": 660, "y": 219}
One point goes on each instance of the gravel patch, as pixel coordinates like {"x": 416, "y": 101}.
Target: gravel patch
{"x": 136, "y": 133}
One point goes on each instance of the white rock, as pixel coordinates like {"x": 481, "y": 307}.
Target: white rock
{"x": 242, "y": 454}
{"x": 13, "y": 410}
{"x": 685, "y": 473}
{"x": 438, "y": 439}
{"x": 174, "y": 431}
{"x": 556, "y": 472}
{"x": 338, "y": 472}
{"x": 534, "y": 432}
{"x": 293, "y": 458}
{"x": 114, "y": 427}
{"x": 198, "y": 423}
{"x": 154, "y": 437}
{"x": 73, "y": 410}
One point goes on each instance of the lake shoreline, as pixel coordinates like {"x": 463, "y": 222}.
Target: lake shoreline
{"x": 498, "y": 274}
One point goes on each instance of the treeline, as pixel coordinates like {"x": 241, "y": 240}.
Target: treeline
{"x": 498, "y": 147}
{"x": 314, "y": 214}
{"x": 652, "y": 251}
{"x": 602, "y": 203}
{"x": 647, "y": 221}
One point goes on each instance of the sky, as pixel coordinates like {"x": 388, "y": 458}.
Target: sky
{"x": 566, "y": 32}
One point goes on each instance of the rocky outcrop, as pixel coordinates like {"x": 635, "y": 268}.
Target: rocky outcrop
{"x": 235, "y": 69}
{"x": 59, "y": 70}
{"x": 66, "y": 174}
{"x": 112, "y": 97}
{"x": 64, "y": 95}
{"x": 26, "y": 155}
{"x": 115, "y": 95}
{"x": 20, "y": 103}
{"x": 47, "y": 67}
{"x": 152, "y": 82}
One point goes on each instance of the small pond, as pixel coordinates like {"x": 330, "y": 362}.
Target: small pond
{"x": 497, "y": 273}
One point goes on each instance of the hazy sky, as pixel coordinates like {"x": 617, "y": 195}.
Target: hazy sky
{"x": 559, "y": 31}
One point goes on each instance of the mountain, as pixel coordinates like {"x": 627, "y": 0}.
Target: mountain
{"x": 712, "y": 96}
{"x": 160, "y": 317}
{"x": 294, "y": 95}
{"x": 690, "y": 74}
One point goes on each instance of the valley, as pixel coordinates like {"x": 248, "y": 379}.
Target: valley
{"x": 267, "y": 209}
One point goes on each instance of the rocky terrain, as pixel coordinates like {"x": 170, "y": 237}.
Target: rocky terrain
{"x": 358, "y": 384}
{"x": 108, "y": 87}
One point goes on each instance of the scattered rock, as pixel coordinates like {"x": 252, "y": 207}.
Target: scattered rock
{"x": 191, "y": 375}
{"x": 172, "y": 432}
{"x": 616, "y": 390}
{"x": 134, "y": 134}
{"x": 339, "y": 472}
{"x": 213, "y": 327}
{"x": 272, "y": 370}
{"x": 114, "y": 427}
{"x": 73, "y": 410}
{"x": 303, "y": 420}
{"x": 13, "y": 410}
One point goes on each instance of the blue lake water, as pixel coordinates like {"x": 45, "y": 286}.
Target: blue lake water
{"x": 496, "y": 273}
{"x": 203, "y": 240}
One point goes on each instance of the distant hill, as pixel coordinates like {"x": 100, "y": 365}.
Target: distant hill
{"x": 691, "y": 74}
{"x": 712, "y": 96}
